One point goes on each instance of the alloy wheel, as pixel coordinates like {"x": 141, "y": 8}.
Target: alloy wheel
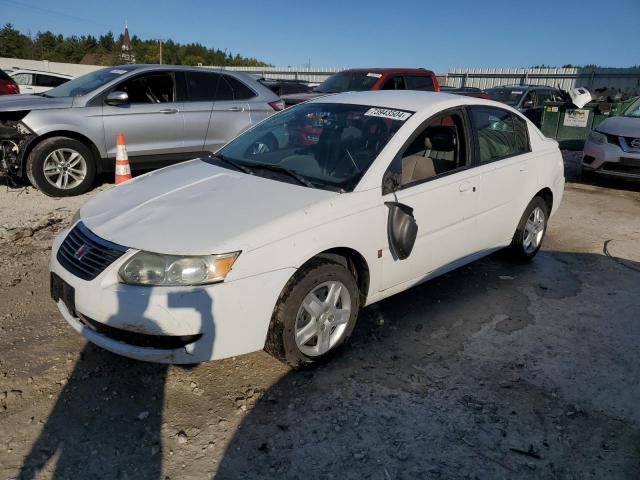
{"x": 65, "y": 168}
{"x": 534, "y": 230}
{"x": 322, "y": 318}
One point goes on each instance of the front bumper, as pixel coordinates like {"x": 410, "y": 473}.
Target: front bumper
{"x": 611, "y": 160}
{"x": 229, "y": 318}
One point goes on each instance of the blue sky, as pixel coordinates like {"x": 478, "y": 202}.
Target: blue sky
{"x": 352, "y": 33}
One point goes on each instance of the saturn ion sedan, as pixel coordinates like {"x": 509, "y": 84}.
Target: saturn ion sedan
{"x": 279, "y": 239}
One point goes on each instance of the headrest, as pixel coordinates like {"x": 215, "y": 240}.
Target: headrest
{"x": 439, "y": 138}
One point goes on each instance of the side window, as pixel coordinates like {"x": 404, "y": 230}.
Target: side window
{"x": 49, "y": 81}
{"x": 394, "y": 83}
{"x": 439, "y": 148}
{"x": 23, "y": 78}
{"x": 419, "y": 82}
{"x": 201, "y": 86}
{"x": 529, "y": 97}
{"x": 224, "y": 91}
{"x": 240, "y": 90}
{"x": 500, "y": 133}
{"x": 151, "y": 88}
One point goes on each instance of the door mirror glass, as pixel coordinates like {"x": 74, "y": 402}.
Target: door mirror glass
{"x": 116, "y": 98}
{"x": 402, "y": 230}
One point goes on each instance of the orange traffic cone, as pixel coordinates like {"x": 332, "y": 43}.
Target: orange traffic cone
{"x": 123, "y": 170}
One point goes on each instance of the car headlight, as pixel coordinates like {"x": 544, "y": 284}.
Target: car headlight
{"x": 597, "y": 137}
{"x": 145, "y": 268}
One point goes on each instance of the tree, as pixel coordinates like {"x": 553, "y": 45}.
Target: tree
{"x": 49, "y": 46}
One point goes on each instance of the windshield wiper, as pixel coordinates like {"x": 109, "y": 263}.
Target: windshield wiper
{"x": 278, "y": 168}
{"x": 234, "y": 164}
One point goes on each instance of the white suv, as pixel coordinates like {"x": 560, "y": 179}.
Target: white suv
{"x": 36, "y": 81}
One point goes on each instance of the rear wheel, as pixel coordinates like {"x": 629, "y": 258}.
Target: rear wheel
{"x": 61, "y": 166}
{"x": 315, "y": 313}
{"x": 528, "y": 237}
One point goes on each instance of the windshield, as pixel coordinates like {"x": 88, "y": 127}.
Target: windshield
{"x": 88, "y": 83}
{"x": 325, "y": 145}
{"x": 633, "y": 110}
{"x": 510, "y": 96}
{"x": 348, "y": 82}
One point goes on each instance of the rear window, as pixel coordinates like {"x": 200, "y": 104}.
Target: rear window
{"x": 49, "y": 80}
{"x": 419, "y": 82}
{"x": 240, "y": 90}
{"x": 348, "y": 82}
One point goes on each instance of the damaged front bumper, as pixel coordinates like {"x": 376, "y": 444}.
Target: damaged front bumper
{"x": 15, "y": 137}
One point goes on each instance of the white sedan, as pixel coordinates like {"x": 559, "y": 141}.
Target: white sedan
{"x": 279, "y": 239}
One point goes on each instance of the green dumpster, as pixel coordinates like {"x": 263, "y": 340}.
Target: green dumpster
{"x": 571, "y": 125}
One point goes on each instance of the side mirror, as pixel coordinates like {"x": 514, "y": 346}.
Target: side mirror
{"x": 117, "y": 98}
{"x": 528, "y": 104}
{"x": 402, "y": 230}
{"x": 390, "y": 182}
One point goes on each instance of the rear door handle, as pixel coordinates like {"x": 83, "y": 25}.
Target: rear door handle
{"x": 235, "y": 109}
{"x": 169, "y": 110}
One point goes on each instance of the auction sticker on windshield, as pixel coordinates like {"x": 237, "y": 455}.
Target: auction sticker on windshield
{"x": 388, "y": 113}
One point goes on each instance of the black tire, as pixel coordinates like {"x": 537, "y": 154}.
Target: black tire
{"x": 35, "y": 166}
{"x": 517, "y": 249}
{"x": 281, "y": 342}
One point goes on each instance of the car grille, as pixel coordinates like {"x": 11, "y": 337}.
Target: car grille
{"x": 85, "y": 254}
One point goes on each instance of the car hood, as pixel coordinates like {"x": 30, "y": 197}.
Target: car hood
{"x": 621, "y": 126}
{"x": 198, "y": 208}
{"x": 13, "y": 103}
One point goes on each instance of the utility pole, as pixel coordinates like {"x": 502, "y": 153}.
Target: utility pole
{"x": 160, "y": 42}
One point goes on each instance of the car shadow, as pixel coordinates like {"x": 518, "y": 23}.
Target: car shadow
{"x": 440, "y": 382}
{"x": 107, "y": 420}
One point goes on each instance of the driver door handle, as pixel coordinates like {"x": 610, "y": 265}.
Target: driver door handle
{"x": 169, "y": 110}
{"x": 235, "y": 109}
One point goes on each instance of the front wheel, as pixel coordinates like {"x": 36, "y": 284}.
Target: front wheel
{"x": 315, "y": 313}
{"x": 61, "y": 167}
{"x": 528, "y": 237}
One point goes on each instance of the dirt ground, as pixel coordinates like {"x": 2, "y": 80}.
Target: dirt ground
{"x": 494, "y": 371}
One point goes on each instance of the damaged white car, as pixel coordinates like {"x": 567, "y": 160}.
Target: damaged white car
{"x": 279, "y": 239}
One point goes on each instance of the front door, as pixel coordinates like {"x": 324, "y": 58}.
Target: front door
{"x": 152, "y": 122}
{"x": 434, "y": 177}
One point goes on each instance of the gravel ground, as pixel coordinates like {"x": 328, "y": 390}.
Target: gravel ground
{"x": 492, "y": 371}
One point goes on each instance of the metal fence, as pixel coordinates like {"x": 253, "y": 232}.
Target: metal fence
{"x": 315, "y": 75}
{"x": 565, "y": 78}
{"x": 626, "y": 79}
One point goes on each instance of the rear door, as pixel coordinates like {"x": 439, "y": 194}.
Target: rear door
{"x": 152, "y": 121}
{"x": 231, "y": 112}
{"x": 506, "y": 179}
{"x": 198, "y": 106}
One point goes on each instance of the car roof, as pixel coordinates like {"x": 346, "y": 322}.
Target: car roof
{"x": 410, "y": 100}
{"x": 420, "y": 71}
{"x": 42, "y": 72}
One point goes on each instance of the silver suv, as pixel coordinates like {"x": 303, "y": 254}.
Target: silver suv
{"x": 62, "y": 138}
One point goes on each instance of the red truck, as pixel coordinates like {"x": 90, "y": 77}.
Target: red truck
{"x": 359, "y": 79}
